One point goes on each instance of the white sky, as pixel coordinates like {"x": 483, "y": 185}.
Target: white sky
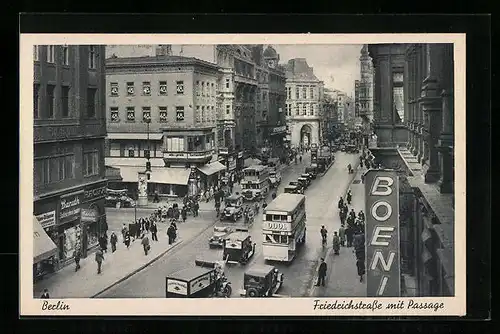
{"x": 336, "y": 65}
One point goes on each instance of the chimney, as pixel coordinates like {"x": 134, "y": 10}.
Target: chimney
{"x": 164, "y": 50}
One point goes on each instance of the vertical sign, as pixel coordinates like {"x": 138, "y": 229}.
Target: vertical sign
{"x": 382, "y": 233}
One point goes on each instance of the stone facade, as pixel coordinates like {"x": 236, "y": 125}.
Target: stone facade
{"x": 304, "y": 103}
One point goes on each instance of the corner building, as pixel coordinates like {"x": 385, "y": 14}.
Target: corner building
{"x": 69, "y": 131}
{"x": 162, "y": 109}
{"x": 303, "y": 103}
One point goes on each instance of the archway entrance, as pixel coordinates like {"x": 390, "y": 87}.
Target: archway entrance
{"x": 305, "y": 135}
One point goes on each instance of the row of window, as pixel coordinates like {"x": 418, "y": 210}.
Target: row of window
{"x": 62, "y": 167}
{"x": 146, "y": 88}
{"x": 205, "y": 89}
{"x": 302, "y": 109}
{"x": 205, "y": 114}
{"x": 146, "y": 114}
{"x": 298, "y": 90}
{"x": 59, "y": 95}
{"x": 64, "y": 54}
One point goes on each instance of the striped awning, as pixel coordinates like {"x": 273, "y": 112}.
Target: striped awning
{"x": 163, "y": 175}
{"x": 43, "y": 246}
{"x": 212, "y": 168}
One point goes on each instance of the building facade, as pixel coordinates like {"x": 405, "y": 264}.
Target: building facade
{"x": 69, "y": 131}
{"x": 304, "y": 95}
{"x": 162, "y": 110}
{"x": 424, "y": 118}
{"x": 365, "y": 96}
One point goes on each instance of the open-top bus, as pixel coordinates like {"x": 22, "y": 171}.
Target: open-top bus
{"x": 255, "y": 183}
{"x": 284, "y": 227}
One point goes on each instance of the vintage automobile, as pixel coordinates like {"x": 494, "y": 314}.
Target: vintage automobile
{"x": 304, "y": 182}
{"x": 290, "y": 189}
{"x": 261, "y": 281}
{"x": 311, "y": 171}
{"x": 233, "y": 209}
{"x": 218, "y": 236}
{"x": 222, "y": 287}
{"x": 307, "y": 176}
{"x": 238, "y": 247}
{"x": 274, "y": 178}
{"x": 352, "y": 149}
{"x": 201, "y": 281}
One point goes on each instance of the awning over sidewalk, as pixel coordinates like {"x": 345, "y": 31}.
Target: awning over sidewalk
{"x": 251, "y": 162}
{"x": 212, "y": 168}
{"x": 113, "y": 173}
{"x": 164, "y": 175}
{"x": 43, "y": 246}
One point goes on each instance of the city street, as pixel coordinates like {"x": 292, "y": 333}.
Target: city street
{"x": 322, "y": 196}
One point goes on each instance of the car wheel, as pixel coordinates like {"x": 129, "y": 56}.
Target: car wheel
{"x": 228, "y": 291}
{"x": 252, "y": 292}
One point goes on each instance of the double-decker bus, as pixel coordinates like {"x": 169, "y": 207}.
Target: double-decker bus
{"x": 255, "y": 183}
{"x": 284, "y": 227}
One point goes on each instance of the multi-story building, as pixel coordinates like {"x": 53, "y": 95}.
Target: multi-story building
{"x": 162, "y": 110}
{"x": 270, "y": 115}
{"x": 303, "y": 103}
{"x": 69, "y": 131}
{"x": 413, "y": 120}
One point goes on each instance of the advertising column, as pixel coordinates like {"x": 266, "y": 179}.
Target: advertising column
{"x": 69, "y": 228}
{"x": 382, "y": 234}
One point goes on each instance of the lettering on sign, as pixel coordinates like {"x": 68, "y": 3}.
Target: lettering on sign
{"x": 94, "y": 193}
{"x": 382, "y": 231}
{"x": 277, "y": 226}
{"x": 175, "y": 286}
{"x": 47, "y": 219}
{"x": 200, "y": 283}
{"x": 89, "y": 215}
{"x": 69, "y": 205}
{"x": 70, "y": 213}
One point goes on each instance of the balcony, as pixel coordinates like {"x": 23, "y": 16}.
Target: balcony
{"x": 188, "y": 156}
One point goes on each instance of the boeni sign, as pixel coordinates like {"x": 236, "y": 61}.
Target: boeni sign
{"x": 382, "y": 234}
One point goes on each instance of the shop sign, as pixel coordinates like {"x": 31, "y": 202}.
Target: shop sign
{"x": 178, "y": 287}
{"x": 382, "y": 231}
{"x": 200, "y": 283}
{"x": 69, "y": 206}
{"x": 232, "y": 165}
{"x": 279, "y": 129}
{"x": 47, "y": 219}
{"x": 90, "y": 215}
{"x": 94, "y": 193}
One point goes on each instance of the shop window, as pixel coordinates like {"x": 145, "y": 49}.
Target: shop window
{"x": 175, "y": 144}
{"x": 92, "y": 234}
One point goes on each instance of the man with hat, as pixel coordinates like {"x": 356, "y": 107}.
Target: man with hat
{"x": 321, "y": 273}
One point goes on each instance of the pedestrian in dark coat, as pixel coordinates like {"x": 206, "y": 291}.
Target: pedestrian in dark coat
{"x": 196, "y": 208}
{"x": 171, "y": 234}
{"x": 103, "y": 243}
{"x": 341, "y": 204}
{"x": 45, "y": 294}
{"x": 147, "y": 225}
{"x": 349, "y": 233}
{"x": 352, "y": 214}
{"x": 137, "y": 230}
{"x": 113, "y": 239}
{"x": 360, "y": 264}
{"x": 99, "y": 257}
{"x": 77, "y": 259}
{"x": 126, "y": 239}
{"x": 342, "y": 235}
{"x": 184, "y": 214}
{"x": 154, "y": 231}
{"x": 321, "y": 273}
{"x": 145, "y": 244}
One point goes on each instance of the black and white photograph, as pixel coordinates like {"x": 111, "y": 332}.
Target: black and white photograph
{"x": 320, "y": 171}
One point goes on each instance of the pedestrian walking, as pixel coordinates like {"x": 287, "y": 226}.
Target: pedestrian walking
{"x": 77, "y": 259}
{"x": 352, "y": 214}
{"x": 196, "y": 208}
{"x": 145, "y": 243}
{"x": 45, "y": 294}
{"x": 336, "y": 243}
{"x": 349, "y": 197}
{"x": 321, "y": 273}
{"x": 341, "y": 204}
{"x": 360, "y": 264}
{"x": 147, "y": 225}
{"x": 342, "y": 235}
{"x": 126, "y": 239}
{"x": 361, "y": 215}
{"x": 99, "y": 257}
{"x": 184, "y": 214}
{"x": 124, "y": 231}
{"x": 349, "y": 233}
{"x": 103, "y": 243}
{"x": 171, "y": 234}
{"x": 113, "y": 240}
{"x": 154, "y": 231}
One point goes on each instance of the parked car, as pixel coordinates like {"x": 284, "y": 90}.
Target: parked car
{"x": 261, "y": 281}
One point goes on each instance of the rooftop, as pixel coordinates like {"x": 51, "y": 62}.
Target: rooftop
{"x": 285, "y": 202}
{"x": 259, "y": 270}
{"x": 189, "y": 273}
{"x": 156, "y": 60}
{"x": 298, "y": 69}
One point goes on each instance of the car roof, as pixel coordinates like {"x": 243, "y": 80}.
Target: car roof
{"x": 256, "y": 167}
{"x": 285, "y": 202}
{"x": 238, "y": 235}
{"x": 233, "y": 196}
{"x": 259, "y": 270}
{"x": 189, "y": 273}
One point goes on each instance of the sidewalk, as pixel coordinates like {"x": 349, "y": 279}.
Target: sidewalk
{"x": 116, "y": 267}
{"x": 342, "y": 278}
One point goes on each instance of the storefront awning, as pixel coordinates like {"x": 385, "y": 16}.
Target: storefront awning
{"x": 252, "y": 162}
{"x": 212, "y": 168}
{"x": 43, "y": 246}
{"x": 164, "y": 175}
{"x": 132, "y": 135}
{"x": 113, "y": 173}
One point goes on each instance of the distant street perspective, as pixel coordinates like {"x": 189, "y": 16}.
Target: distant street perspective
{"x": 219, "y": 171}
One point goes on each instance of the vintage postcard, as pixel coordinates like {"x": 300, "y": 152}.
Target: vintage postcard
{"x": 309, "y": 174}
